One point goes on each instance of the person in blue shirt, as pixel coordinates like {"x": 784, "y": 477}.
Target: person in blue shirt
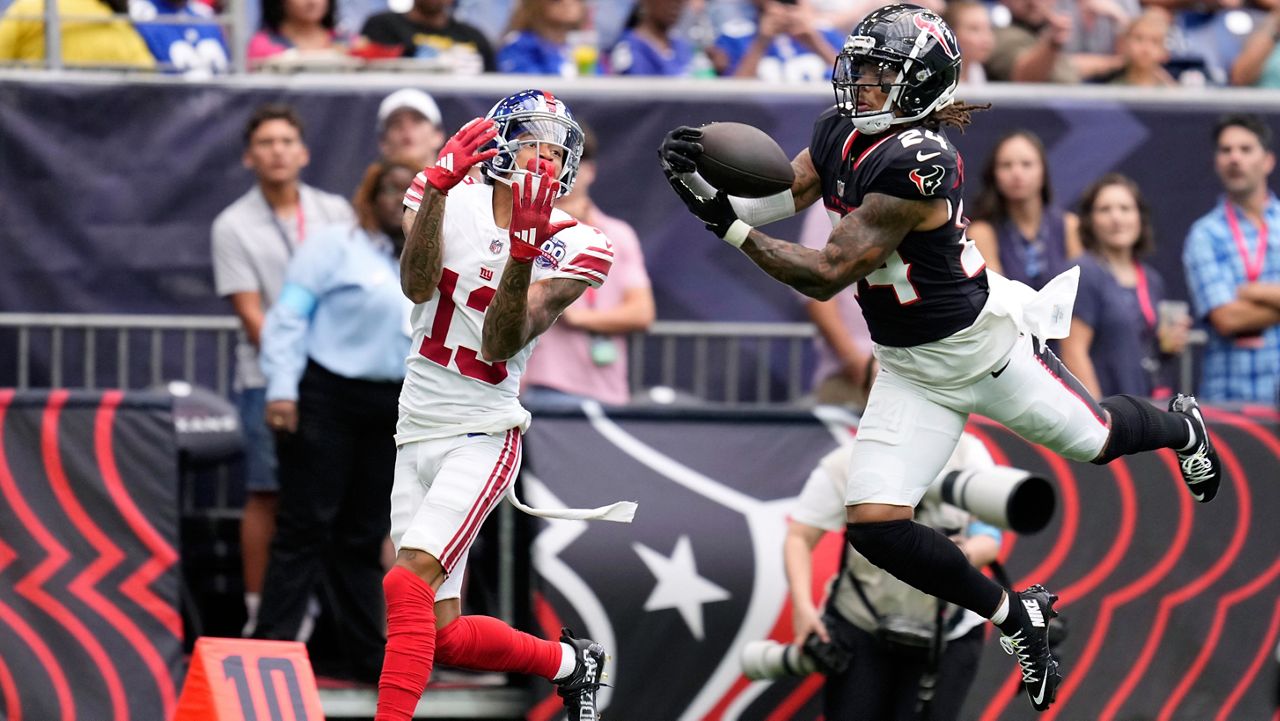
{"x": 1232, "y": 259}
{"x": 785, "y": 44}
{"x": 333, "y": 351}
{"x": 537, "y": 41}
{"x": 649, "y": 45}
{"x": 196, "y": 49}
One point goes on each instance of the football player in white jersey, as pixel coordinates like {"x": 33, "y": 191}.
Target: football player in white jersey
{"x": 489, "y": 266}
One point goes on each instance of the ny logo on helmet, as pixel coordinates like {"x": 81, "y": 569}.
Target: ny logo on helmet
{"x": 944, "y": 38}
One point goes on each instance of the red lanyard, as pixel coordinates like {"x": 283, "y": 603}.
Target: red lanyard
{"x": 1252, "y": 270}
{"x": 1144, "y": 297}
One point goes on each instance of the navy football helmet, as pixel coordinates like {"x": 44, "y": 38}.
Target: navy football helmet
{"x": 907, "y": 51}
{"x": 533, "y": 117}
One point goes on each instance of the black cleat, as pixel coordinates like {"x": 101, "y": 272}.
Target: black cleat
{"x": 1030, "y": 644}
{"x": 579, "y": 689}
{"x": 1200, "y": 467}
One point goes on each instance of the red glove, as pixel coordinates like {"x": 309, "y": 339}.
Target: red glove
{"x": 532, "y": 197}
{"x": 459, "y": 154}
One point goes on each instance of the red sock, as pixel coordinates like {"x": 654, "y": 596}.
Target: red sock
{"x": 487, "y": 644}
{"x": 411, "y": 644}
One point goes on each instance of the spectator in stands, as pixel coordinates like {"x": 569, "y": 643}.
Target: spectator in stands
{"x": 1232, "y": 259}
{"x": 538, "y": 38}
{"x": 585, "y": 353}
{"x": 87, "y": 40}
{"x": 333, "y": 351}
{"x": 1144, "y": 50}
{"x": 971, "y": 22}
{"x": 649, "y": 45}
{"x": 1021, "y": 234}
{"x": 1117, "y": 341}
{"x": 1096, "y": 29}
{"x": 410, "y": 127}
{"x": 1258, "y": 64}
{"x": 844, "y": 369}
{"x": 253, "y": 240}
{"x": 195, "y": 48}
{"x": 887, "y": 628}
{"x": 786, "y": 43}
{"x": 1032, "y": 48}
{"x": 296, "y": 28}
{"x": 430, "y": 32}
{"x": 844, "y": 14}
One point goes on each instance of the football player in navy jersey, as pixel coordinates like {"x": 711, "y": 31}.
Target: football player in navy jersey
{"x": 951, "y": 338}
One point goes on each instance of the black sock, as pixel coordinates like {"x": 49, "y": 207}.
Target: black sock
{"x": 926, "y": 560}
{"x": 1138, "y": 426}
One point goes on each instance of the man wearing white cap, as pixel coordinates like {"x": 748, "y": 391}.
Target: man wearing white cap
{"x": 410, "y": 127}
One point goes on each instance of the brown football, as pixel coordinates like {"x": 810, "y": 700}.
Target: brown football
{"x": 743, "y": 160}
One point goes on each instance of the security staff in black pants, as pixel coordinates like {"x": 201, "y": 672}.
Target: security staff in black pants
{"x": 333, "y": 351}
{"x": 910, "y": 656}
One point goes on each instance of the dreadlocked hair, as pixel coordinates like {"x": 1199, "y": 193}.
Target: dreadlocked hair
{"x": 958, "y": 115}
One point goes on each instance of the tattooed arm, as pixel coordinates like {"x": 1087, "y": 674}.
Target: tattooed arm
{"x": 423, "y": 254}
{"x": 806, "y": 188}
{"x": 521, "y": 311}
{"x": 858, "y": 245}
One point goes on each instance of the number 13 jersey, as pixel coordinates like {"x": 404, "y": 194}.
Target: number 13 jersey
{"x": 448, "y": 388}
{"x": 935, "y": 284}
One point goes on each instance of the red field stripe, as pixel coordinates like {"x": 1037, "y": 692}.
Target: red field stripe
{"x": 1228, "y": 600}
{"x": 549, "y": 622}
{"x": 1091, "y": 580}
{"x": 136, "y": 586}
{"x": 790, "y": 706}
{"x": 29, "y": 586}
{"x": 1262, "y": 656}
{"x": 12, "y": 704}
{"x": 1193, "y": 589}
{"x": 108, "y": 557}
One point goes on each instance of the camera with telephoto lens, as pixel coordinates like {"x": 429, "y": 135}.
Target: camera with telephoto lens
{"x": 772, "y": 660}
{"x": 1005, "y": 497}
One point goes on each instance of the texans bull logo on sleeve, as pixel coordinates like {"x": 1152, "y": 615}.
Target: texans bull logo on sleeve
{"x": 928, "y": 181}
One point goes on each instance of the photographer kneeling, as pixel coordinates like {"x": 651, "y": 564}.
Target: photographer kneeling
{"x": 910, "y": 657}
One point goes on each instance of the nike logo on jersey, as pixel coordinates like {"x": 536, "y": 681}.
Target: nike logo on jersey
{"x": 1033, "y": 612}
{"x": 996, "y": 374}
{"x": 922, "y": 156}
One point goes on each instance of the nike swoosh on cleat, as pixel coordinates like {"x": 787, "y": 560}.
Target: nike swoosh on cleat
{"x": 922, "y": 156}
{"x": 1044, "y": 685}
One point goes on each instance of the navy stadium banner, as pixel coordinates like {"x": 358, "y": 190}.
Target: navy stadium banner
{"x": 89, "y": 585}
{"x": 1173, "y": 608}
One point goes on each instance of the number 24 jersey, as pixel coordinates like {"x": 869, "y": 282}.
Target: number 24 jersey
{"x": 449, "y": 389}
{"x": 935, "y": 283}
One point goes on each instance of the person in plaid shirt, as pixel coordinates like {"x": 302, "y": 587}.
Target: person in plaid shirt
{"x": 1232, "y": 259}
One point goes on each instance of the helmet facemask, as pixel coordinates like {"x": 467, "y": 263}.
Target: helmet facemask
{"x": 907, "y": 53}
{"x": 534, "y": 128}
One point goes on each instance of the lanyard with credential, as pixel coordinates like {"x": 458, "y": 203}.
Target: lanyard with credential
{"x": 1144, "y": 297}
{"x": 1252, "y": 269}
{"x": 284, "y": 236}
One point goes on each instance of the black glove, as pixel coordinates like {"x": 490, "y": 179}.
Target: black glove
{"x": 680, "y": 149}
{"x": 715, "y": 212}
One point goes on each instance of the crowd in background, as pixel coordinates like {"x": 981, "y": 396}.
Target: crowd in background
{"x": 1150, "y": 43}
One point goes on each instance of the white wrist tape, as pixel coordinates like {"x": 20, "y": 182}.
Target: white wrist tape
{"x": 737, "y": 233}
{"x": 762, "y": 211}
{"x": 698, "y": 185}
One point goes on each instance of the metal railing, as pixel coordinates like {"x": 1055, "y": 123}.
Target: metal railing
{"x": 759, "y": 363}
